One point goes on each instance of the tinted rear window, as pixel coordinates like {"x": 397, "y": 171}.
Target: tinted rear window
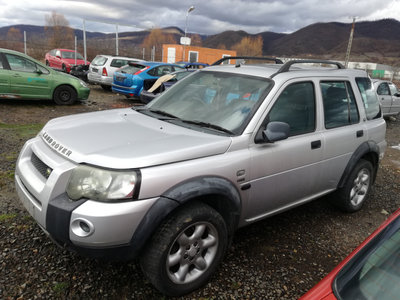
{"x": 132, "y": 68}
{"x": 99, "y": 61}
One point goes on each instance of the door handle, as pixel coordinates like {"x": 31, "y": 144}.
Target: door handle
{"x": 316, "y": 144}
{"x": 360, "y": 133}
{"x": 16, "y": 75}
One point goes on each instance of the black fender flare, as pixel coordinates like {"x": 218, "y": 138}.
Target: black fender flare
{"x": 366, "y": 148}
{"x": 193, "y": 189}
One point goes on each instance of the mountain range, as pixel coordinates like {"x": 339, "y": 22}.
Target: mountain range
{"x": 377, "y": 41}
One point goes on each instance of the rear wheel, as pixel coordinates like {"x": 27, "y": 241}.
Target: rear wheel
{"x": 352, "y": 195}
{"x": 186, "y": 250}
{"x": 64, "y": 95}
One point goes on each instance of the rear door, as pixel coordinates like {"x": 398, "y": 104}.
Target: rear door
{"x": 343, "y": 130}
{"x": 28, "y": 79}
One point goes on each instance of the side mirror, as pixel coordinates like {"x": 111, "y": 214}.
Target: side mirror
{"x": 58, "y": 56}
{"x": 397, "y": 94}
{"x": 276, "y": 131}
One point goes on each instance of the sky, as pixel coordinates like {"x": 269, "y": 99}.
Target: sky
{"x": 208, "y": 16}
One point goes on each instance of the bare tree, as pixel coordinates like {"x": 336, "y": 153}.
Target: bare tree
{"x": 58, "y": 32}
{"x": 249, "y": 46}
{"x": 14, "y": 39}
{"x": 156, "y": 39}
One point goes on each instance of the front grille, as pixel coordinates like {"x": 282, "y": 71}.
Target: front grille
{"x": 42, "y": 168}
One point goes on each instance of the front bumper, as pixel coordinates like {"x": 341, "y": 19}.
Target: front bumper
{"x": 89, "y": 227}
{"x": 83, "y": 93}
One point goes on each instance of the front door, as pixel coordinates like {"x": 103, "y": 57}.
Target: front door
{"x": 4, "y": 79}
{"x": 287, "y": 171}
{"x": 28, "y": 79}
{"x": 385, "y": 98}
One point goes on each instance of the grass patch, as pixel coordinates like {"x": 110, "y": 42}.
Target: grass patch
{"x": 23, "y": 130}
{"x": 60, "y": 287}
{"x": 5, "y": 217}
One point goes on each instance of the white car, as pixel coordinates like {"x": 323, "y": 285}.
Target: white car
{"x": 102, "y": 68}
{"x": 389, "y": 97}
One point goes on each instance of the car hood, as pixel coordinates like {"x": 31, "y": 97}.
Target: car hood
{"x": 125, "y": 139}
{"x": 71, "y": 61}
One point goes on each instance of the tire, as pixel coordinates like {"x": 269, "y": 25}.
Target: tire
{"x": 352, "y": 196}
{"x": 64, "y": 69}
{"x": 47, "y": 63}
{"x": 186, "y": 250}
{"x": 106, "y": 87}
{"x": 64, "y": 95}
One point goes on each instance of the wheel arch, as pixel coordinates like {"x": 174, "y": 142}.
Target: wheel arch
{"x": 369, "y": 151}
{"x": 61, "y": 85}
{"x": 216, "y": 192}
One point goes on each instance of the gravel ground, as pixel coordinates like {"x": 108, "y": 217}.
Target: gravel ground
{"x": 279, "y": 258}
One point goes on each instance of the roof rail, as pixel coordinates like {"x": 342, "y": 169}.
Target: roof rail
{"x": 276, "y": 60}
{"x": 287, "y": 65}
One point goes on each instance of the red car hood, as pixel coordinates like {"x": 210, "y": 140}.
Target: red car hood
{"x": 71, "y": 61}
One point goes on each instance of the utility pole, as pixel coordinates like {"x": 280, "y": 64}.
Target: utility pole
{"x": 346, "y": 63}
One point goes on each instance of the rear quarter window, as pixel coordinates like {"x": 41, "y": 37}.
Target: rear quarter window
{"x": 132, "y": 68}
{"x": 99, "y": 61}
{"x": 369, "y": 98}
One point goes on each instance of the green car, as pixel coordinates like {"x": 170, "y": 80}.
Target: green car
{"x": 22, "y": 77}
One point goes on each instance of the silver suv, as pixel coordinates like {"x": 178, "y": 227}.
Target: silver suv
{"x": 102, "y": 68}
{"x": 170, "y": 182}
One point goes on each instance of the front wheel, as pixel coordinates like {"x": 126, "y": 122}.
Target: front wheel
{"x": 352, "y": 195}
{"x": 186, "y": 250}
{"x": 64, "y": 95}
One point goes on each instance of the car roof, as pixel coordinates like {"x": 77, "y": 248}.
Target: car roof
{"x": 120, "y": 57}
{"x": 275, "y": 70}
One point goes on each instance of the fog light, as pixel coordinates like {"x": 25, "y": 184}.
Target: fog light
{"x": 82, "y": 227}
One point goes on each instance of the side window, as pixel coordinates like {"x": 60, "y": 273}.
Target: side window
{"x": 296, "y": 106}
{"x": 369, "y": 97}
{"x": 340, "y": 108}
{"x": 1, "y": 62}
{"x": 18, "y": 63}
{"x": 44, "y": 70}
{"x": 383, "y": 89}
{"x": 118, "y": 63}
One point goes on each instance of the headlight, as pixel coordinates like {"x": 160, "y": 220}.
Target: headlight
{"x": 101, "y": 184}
{"x": 83, "y": 83}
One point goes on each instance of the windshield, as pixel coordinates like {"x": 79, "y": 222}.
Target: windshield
{"x": 374, "y": 273}
{"x": 221, "y": 99}
{"x": 71, "y": 55}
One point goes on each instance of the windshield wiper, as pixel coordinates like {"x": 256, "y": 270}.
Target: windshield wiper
{"x": 208, "y": 125}
{"x": 159, "y": 112}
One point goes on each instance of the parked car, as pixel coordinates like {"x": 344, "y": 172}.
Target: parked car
{"x": 102, "y": 68}
{"x": 129, "y": 80}
{"x": 22, "y": 77}
{"x": 192, "y": 65}
{"x": 389, "y": 96}
{"x": 64, "y": 59}
{"x": 371, "y": 271}
{"x": 161, "y": 84}
{"x": 171, "y": 181}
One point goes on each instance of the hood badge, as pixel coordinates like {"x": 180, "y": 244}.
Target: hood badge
{"x": 55, "y": 145}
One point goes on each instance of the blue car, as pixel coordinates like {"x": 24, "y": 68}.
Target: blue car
{"x": 130, "y": 79}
